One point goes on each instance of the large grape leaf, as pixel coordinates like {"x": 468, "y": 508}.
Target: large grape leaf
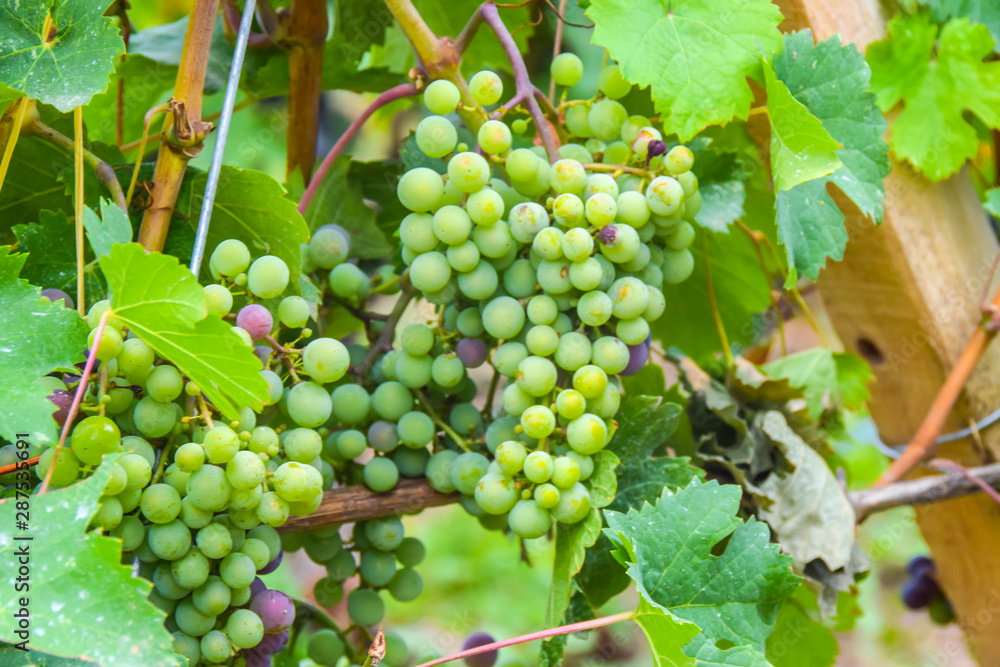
{"x": 51, "y": 247}
{"x": 164, "y": 305}
{"x": 31, "y": 186}
{"x": 83, "y": 601}
{"x": 832, "y": 82}
{"x": 829, "y": 380}
{"x": 13, "y": 657}
{"x": 37, "y": 338}
{"x": 938, "y": 78}
{"x": 801, "y": 148}
{"x": 696, "y": 54}
{"x": 986, "y": 12}
{"x": 252, "y": 207}
{"x": 59, "y": 52}
{"x": 696, "y": 562}
{"x": 339, "y": 201}
{"x": 111, "y": 227}
{"x": 800, "y": 639}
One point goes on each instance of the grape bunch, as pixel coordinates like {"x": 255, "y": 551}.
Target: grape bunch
{"x": 923, "y": 591}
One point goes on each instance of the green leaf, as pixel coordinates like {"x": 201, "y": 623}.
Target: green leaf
{"x": 810, "y": 514}
{"x": 992, "y": 204}
{"x": 112, "y": 227}
{"x": 721, "y": 184}
{"x": 31, "y": 186}
{"x": 252, "y": 207}
{"x": 12, "y": 657}
{"x": 832, "y": 82}
{"x": 937, "y": 78}
{"x": 666, "y": 634}
{"x": 693, "y": 559}
{"x": 799, "y": 638}
{"x": 60, "y": 52}
{"x": 828, "y": 380}
{"x": 83, "y": 602}
{"x": 741, "y": 290}
{"x": 37, "y": 339}
{"x": 51, "y": 247}
{"x": 163, "y": 45}
{"x": 338, "y": 201}
{"x": 696, "y": 54}
{"x": 985, "y": 12}
{"x": 145, "y": 83}
{"x": 164, "y": 305}
{"x": 649, "y": 381}
{"x": 801, "y": 148}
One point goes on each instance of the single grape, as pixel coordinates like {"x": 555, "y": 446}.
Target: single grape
{"x": 436, "y": 136}
{"x": 587, "y": 434}
{"x": 420, "y": 189}
{"x": 380, "y": 474}
{"x": 441, "y": 97}
{"x": 406, "y": 585}
{"x": 471, "y": 352}
{"x": 612, "y": 84}
{"x": 494, "y": 137}
{"x": 528, "y": 520}
{"x": 230, "y": 258}
{"x": 485, "y": 207}
{"x": 485, "y": 659}
{"x": 94, "y": 437}
{"x": 605, "y": 119}
{"x": 919, "y": 591}
{"x": 275, "y": 610}
{"x": 566, "y": 69}
{"x": 392, "y": 400}
{"x": 468, "y": 171}
{"x": 152, "y": 418}
{"x": 638, "y": 355}
{"x": 309, "y": 405}
{"x": 503, "y": 317}
{"x": 485, "y": 87}
{"x": 365, "y": 607}
{"x": 578, "y": 120}
{"x": 329, "y": 246}
{"x": 574, "y": 504}
{"x": 325, "y": 647}
{"x": 536, "y": 376}
{"x": 267, "y": 277}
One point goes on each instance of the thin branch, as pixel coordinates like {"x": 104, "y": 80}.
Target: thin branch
{"x": 157, "y": 136}
{"x": 526, "y": 91}
{"x": 923, "y": 491}
{"x": 468, "y": 32}
{"x": 600, "y": 166}
{"x": 391, "y": 95}
{"x": 557, "y": 44}
{"x": 384, "y": 341}
{"x": 436, "y": 418}
{"x": 147, "y": 121}
{"x": 951, "y": 466}
{"x": 105, "y": 173}
{"x": 716, "y": 317}
{"x": 78, "y": 207}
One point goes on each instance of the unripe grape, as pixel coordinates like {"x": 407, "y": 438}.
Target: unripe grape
{"x": 486, "y": 87}
{"x": 566, "y": 69}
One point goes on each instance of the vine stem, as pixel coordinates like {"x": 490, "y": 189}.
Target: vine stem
{"x": 406, "y": 294}
{"x": 716, "y": 317}
{"x": 306, "y": 28}
{"x": 78, "y": 207}
{"x": 81, "y": 389}
{"x": 526, "y": 91}
{"x": 391, "y": 95}
{"x": 543, "y": 634}
{"x": 15, "y": 132}
{"x": 557, "y": 45}
{"x": 157, "y": 136}
{"x": 926, "y": 490}
{"x": 925, "y": 438}
{"x": 433, "y": 414}
{"x": 147, "y": 121}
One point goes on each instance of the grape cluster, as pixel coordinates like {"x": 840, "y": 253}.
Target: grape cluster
{"x": 923, "y": 591}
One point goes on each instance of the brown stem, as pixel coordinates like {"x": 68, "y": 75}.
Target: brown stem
{"x": 121, "y": 9}
{"x": 78, "y": 208}
{"x": 105, "y": 173}
{"x": 468, "y": 32}
{"x": 923, "y": 491}
{"x": 183, "y": 128}
{"x": 384, "y": 342}
{"x": 398, "y": 92}
{"x": 157, "y": 136}
{"x": 306, "y": 28}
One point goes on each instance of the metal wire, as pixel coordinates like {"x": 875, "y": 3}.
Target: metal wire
{"x": 988, "y": 420}
{"x": 232, "y": 85}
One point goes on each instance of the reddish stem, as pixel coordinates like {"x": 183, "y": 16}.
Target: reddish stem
{"x": 951, "y": 465}
{"x": 551, "y": 632}
{"x": 14, "y": 466}
{"x": 391, "y": 95}
{"x": 81, "y": 389}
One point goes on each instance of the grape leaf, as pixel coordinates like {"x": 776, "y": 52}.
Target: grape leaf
{"x": 252, "y": 207}
{"x": 59, "y": 52}
{"x": 338, "y": 201}
{"x": 799, "y": 638}
{"x": 721, "y": 184}
{"x": 696, "y": 562}
{"x": 83, "y": 602}
{"x": 164, "y": 305}
{"x": 832, "y": 82}
{"x": 829, "y": 380}
{"x": 163, "y": 45}
{"x": 992, "y": 204}
{"x": 937, "y": 78}
{"x": 986, "y": 12}
{"x": 145, "y": 84}
{"x": 31, "y": 185}
{"x": 112, "y": 227}
{"x": 696, "y": 54}
{"x": 51, "y": 247}
{"x": 801, "y": 148}
{"x": 12, "y": 657}
{"x": 37, "y": 339}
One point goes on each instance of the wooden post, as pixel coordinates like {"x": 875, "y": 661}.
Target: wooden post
{"x": 906, "y": 298}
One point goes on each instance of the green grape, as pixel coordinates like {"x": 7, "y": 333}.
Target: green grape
{"x": 600, "y": 183}
{"x": 519, "y": 279}
{"x": 503, "y": 317}
{"x": 406, "y": 585}
{"x": 642, "y": 139}
{"x": 632, "y": 126}
{"x": 441, "y": 97}
{"x": 385, "y": 534}
{"x": 574, "y": 349}
{"x": 120, "y": 398}
{"x": 553, "y": 277}
{"x": 612, "y": 84}
{"x": 230, "y": 258}
{"x": 692, "y": 205}
{"x": 681, "y": 237}
{"x": 246, "y": 470}
{"x": 267, "y": 277}
{"x": 160, "y": 503}
{"x": 523, "y": 165}
{"x": 169, "y": 541}
{"x": 466, "y": 419}
{"x": 365, "y": 607}
{"x": 565, "y": 472}
{"x": 152, "y": 418}
{"x": 572, "y": 151}
{"x": 263, "y": 440}
{"x": 590, "y": 381}
{"x": 677, "y": 266}
{"x": 270, "y": 537}
{"x": 493, "y": 241}
{"x": 349, "y": 283}
{"x": 526, "y": 220}
{"x": 351, "y": 444}
{"x": 494, "y": 137}
{"x": 420, "y": 189}
{"x": 528, "y": 520}
{"x": 679, "y": 160}
{"x": 485, "y": 87}
{"x": 221, "y": 444}
{"x": 633, "y": 209}
{"x": 67, "y": 467}
{"x": 243, "y": 335}
{"x": 587, "y": 434}
{"x": 110, "y": 345}
{"x": 463, "y": 257}
{"x": 272, "y": 510}
{"x": 594, "y": 309}
{"x": 257, "y": 551}
{"x": 380, "y": 474}
{"x": 480, "y": 282}
{"x": 538, "y": 467}
{"x": 583, "y": 462}
{"x": 542, "y": 310}
{"x": 188, "y": 647}
{"x": 410, "y": 552}
{"x": 470, "y": 323}
{"x": 436, "y": 136}
{"x": 508, "y": 357}
{"x": 214, "y": 541}
{"x": 164, "y": 583}
{"x": 570, "y": 404}
{"x": 617, "y": 152}
{"x": 574, "y": 504}
{"x": 308, "y": 404}
{"x": 324, "y": 647}
{"x": 392, "y": 400}
{"x": 301, "y": 445}
{"x": 135, "y": 359}
{"x": 548, "y": 243}
{"x": 415, "y": 429}
{"x": 578, "y": 120}
{"x": 328, "y": 593}
{"x": 191, "y": 621}
{"x": 244, "y": 628}
{"x": 542, "y": 340}
{"x": 605, "y": 119}
{"x": 495, "y": 493}
{"x": 586, "y": 275}
{"x": 568, "y": 176}
{"x": 190, "y": 570}
{"x": 447, "y": 370}
{"x": 109, "y": 513}
{"x": 328, "y": 246}
{"x": 438, "y": 471}
{"x": 94, "y": 437}
{"x": 485, "y": 207}
{"x": 416, "y": 231}
{"x": 215, "y": 647}
{"x": 688, "y": 181}
{"x": 325, "y": 360}
{"x": 601, "y": 209}
{"x": 625, "y": 245}
{"x": 189, "y": 457}
{"x": 657, "y": 305}
{"x": 209, "y": 489}
{"x": 538, "y": 421}
{"x": 577, "y": 244}
{"x": 546, "y": 496}
{"x": 193, "y": 517}
{"x": 297, "y": 482}
{"x": 566, "y": 69}
{"x": 414, "y": 371}
{"x": 237, "y": 570}
{"x": 468, "y": 171}
{"x": 515, "y": 401}
{"x": 629, "y": 296}
{"x": 632, "y": 332}
{"x": 606, "y": 405}
{"x": 510, "y": 457}
{"x": 451, "y": 225}
{"x": 430, "y": 272}
{"x": 664, "y": 195}
{"x": 610, "y": 354}
{"x": 536, "y": 376}
{"x": 137, "y": 468}
{"x": 466, "y": 470}
{"x": 519, "y": 126}
{"x": 417, "y": 339}
{"x": 377, "y": 568}
{"x": 130, "y": 531}
{"x": 351, "y": 404}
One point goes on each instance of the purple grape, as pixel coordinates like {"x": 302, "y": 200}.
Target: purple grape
{"x": 655, "y": 147}
{"x": 608, "y": 234}
{"x": 273, "y": 643}
{"x": 257, "y": 586}
{"x": 62, "y": 399}
{"x": 273, "y": 565}
{"x": 53, "y": 295}
{"x": 276, "y": 610}
{"x": 255, "y": 657}
{"x": 256, "y": 320}
{"x": 919, "y": 591}
{"x": 919, "y": 564}
{"x": 638, "y": 355}
{"x": 483, "y": 659}
{"x": 472, "y": 352}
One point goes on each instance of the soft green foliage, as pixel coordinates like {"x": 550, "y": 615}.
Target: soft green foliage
{"x": 37, "y": 338}
{"x": 985, "y": 12}
{"x": 832, "y": 82}
{"x": 665, "y": 45}
{"x": 800, "y": 639}
{"x": 145, "y": 81}
{"x": 828, "y": 380}
{"x": 937, "y": 76}
{"x": 732, "y": 597}
{"x": 163, "y": 304}
{"x": 59, "y": 53}
{"x": 110, "y": 623}
{"x": 103, "y": 232}
{"x": 721, "y": 184}
{"x": 51, "y": 247}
